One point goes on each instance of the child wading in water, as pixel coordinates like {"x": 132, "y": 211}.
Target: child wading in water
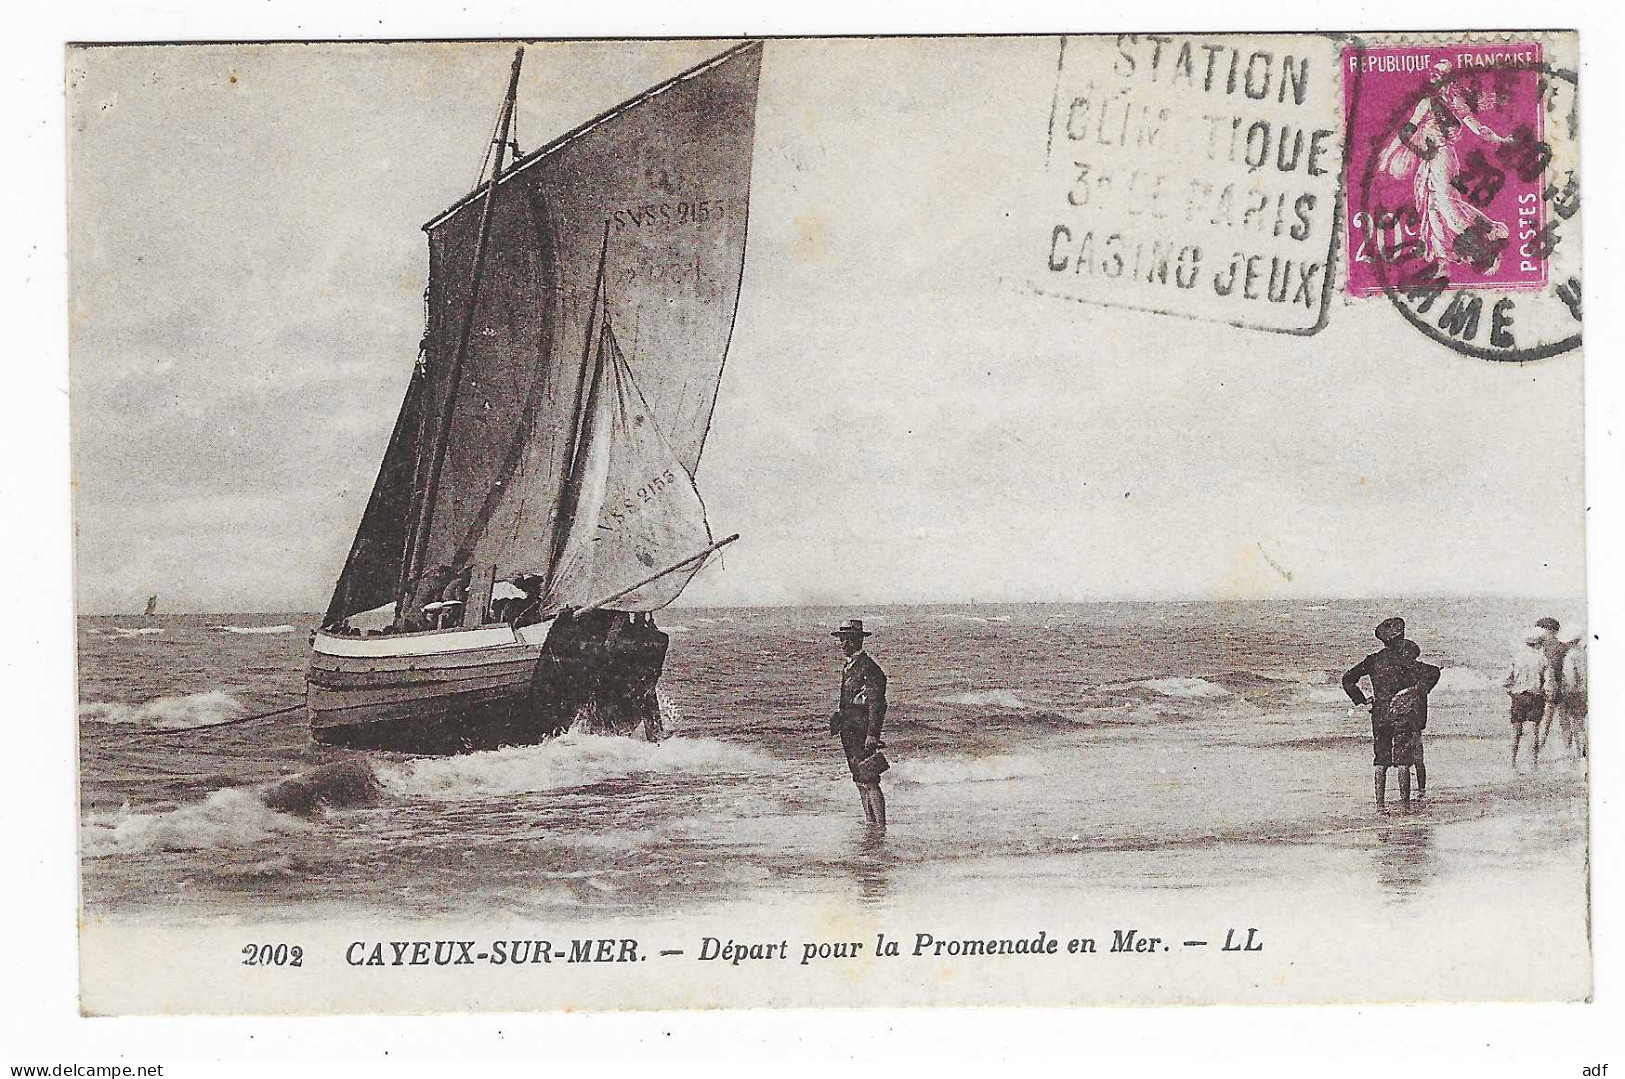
{"x": 1393, "y": 671}
{"x": 1408, "y": 711}
{"x": 1532, "y": 685}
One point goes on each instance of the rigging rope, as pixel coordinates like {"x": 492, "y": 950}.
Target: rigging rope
{"x": 490, "y": 146}
{"x": 211, "y": 726}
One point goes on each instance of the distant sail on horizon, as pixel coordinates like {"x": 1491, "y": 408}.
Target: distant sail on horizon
{"x": 152, "y": 606}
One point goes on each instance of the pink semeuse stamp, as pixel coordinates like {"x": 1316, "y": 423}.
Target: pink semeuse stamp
{"x": 1445, "y": 166}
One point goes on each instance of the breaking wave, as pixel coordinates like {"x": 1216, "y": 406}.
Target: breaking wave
{"x": 163, "y": 713}
{"x": 672, "y": 716}
{"x": 1182, "y": 688}
{"x": 282, "y": 865}
{"x": 571, "y": 760}
{"x": 283, "y": 628}
{"x": 983, "y": 698}
{"x": 1323, "y": 695}
{"x": 933, "y": 770}
{"x": 1453, "y": 681}
{"x": 1467, "y": 680}
{"x": 1294, "y": 676}
{"x": 234, "y": 817}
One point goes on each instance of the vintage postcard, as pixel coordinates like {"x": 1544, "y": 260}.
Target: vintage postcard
{"x": 664, "y": 524}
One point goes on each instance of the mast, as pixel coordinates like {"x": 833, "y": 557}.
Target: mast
{"x": 442, "y": 433}
{"x": 408, "y": 571}
{"x": 567, "y": 463}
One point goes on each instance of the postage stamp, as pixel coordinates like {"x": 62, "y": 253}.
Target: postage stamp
{"x": 1465, "y": 193}
{"x": 1444, "y": 124}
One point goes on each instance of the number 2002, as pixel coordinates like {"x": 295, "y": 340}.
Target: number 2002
{"x": 273, "y": 955}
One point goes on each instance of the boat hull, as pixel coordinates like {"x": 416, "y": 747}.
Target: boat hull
{"x": 428, "y": 693}
{"x": 459, "y": 691}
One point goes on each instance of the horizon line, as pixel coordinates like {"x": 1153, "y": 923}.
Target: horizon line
{"x": 853, "y": 604}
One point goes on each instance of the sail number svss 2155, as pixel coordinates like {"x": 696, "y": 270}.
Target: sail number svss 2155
{"x": 669, "y": 214}
{"x": 614, "y": 516}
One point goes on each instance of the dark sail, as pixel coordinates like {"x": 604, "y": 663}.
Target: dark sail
{"x": 670, "y": 173}
{"x": 372, "y": 571}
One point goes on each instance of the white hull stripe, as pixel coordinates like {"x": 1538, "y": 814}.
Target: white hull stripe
{"x": 416, "y": 644}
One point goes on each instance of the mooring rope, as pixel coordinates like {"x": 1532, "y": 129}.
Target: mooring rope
{"x": 160, "y": 732}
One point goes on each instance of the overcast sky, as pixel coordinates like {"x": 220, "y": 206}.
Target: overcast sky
{"x": 901, "y": 418}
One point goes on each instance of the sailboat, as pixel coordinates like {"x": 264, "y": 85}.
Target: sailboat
{"x": 536, "y": 503}
{"x": 152, "y": 607}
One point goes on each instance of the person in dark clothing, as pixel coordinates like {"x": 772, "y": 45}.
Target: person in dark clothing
{"x": 1389, "y": 672}
{"x": 454, "y": 599}
{"x": 527, "y": 611}
{"x": 859, "y": 718}
{"x": 634, "y": 656}
{"x": 427, "y": 591}
{"x": 1408, "y": 711}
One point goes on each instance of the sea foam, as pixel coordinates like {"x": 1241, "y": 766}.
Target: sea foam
{"x": 1465, "y": 680}
{"x": 985, "y": 698}
{"x": 1453, "y": 682}
{"x": 234, "y": 817}
{"x": 1292, "y": 674}
{"x": 1182, "y": 688}
{"x": 573, "y": 759}
{"x": 163, "y": 713}
{"x": 964, "y": 769}
{"x": 1323, "y": 695}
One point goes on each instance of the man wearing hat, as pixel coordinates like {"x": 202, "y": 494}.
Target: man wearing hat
{"x": 1554, "y": 648}
{"x": 858, "y": 719}
{"x": 1390, "y": 670}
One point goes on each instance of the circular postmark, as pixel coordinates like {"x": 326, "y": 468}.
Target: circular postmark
{"x": 1469, "y": 189}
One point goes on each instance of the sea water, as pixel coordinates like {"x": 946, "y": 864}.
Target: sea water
{"x": 1036, "y": 750}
